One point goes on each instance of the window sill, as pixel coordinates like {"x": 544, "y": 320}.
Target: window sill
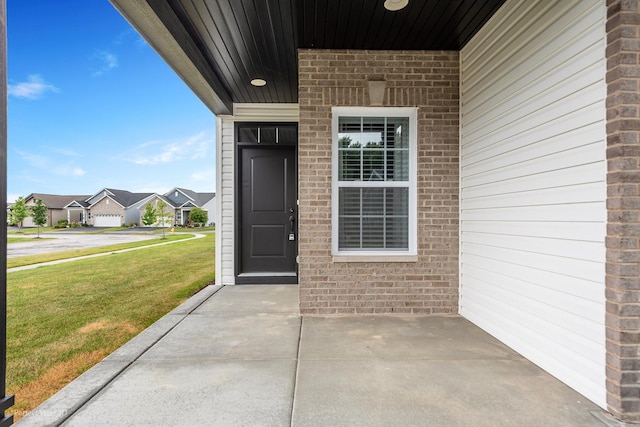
{"x": 375, "y": 258}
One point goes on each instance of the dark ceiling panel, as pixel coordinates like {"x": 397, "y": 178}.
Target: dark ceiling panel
{"x": 212, "y": 35}
{"x": 445, "y": 25}
{"x": 234, "y": 41}
{"x": 275, "y": 45}
{"x": 365, "y": 24}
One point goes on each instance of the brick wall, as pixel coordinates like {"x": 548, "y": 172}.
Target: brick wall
{"x": 430, "y": 81}
{"x": 623, "y": 228}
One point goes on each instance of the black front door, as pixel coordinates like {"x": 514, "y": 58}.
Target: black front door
{"x": 268, "y": 215}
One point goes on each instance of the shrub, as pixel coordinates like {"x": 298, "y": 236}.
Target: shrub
{"x": 198, "y": 216}
{"x": 62, "y": 223}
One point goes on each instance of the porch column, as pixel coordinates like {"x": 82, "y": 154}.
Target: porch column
{"x": 5, "y": 401}
{"x": 623, "y": 208}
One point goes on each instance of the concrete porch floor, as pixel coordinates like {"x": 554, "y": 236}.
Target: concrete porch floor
{"x": 242, "y": 356}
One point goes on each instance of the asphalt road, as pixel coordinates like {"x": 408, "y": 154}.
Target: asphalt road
{"x": 62, "y": 241}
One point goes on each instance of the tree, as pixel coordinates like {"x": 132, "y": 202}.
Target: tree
{"x": 39, "y": 214}
{"x": 163, "y": 213}
{"x": 150, "y": 215}
{"x": 18, "y": 213}
{"x": 199, "y": 216}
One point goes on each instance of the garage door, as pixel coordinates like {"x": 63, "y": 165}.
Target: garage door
{"x": 533, "y": 191}
{"x": 106, "y": 221}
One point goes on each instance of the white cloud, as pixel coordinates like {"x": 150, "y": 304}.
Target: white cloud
{"x": 200, "y": 149}
{"x": 106, "y": 62}
{"x": 11, "y": 198}
{"x": 77, "y": 172}
{"x": 168, "y": 154}
{"x": 149, "y": 144}
{"x": 42, "y": 162}
{"x": 33, "y": 88}
{"x": 123, "y": 36}
{"x": 66, "y": 151}
{"x": 126, "y": 35}
{"x": 205, "y": 175}
{"x": 158, "y": 152}
{"x": 35, "y": 160}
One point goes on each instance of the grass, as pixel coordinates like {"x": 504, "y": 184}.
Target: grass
{"x": 34, "y": 230}
{"x": 62, "y": 319}
{"x": 53, "y": 256}
{"x": 23, "y": 239}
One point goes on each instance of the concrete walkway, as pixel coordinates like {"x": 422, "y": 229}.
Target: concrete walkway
{"x": 242, "y": 356}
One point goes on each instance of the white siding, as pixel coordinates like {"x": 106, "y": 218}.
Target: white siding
{"x": 225, "y": 182}
{"x": 225, "y": 195}
{"x": 533, "y": 191}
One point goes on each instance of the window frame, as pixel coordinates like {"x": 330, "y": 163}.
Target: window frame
{"x": 402, "y": 255}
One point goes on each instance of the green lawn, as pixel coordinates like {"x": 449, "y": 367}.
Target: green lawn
{"x": 62, "y": 319}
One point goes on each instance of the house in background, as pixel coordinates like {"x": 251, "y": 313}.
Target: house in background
{"x": 78, "y": 208}
{"x": 56, "y": 208}
{"x": 113, "y": 208}
{"x": 471, "y": 157}
{"x": 140, "y": 208}
{"x": 183, "y": 200}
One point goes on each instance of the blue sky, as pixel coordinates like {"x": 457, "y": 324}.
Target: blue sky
{"x": 92, "y": 105}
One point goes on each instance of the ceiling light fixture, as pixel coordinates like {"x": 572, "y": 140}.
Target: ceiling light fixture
{"x": 258, "y": 82}
{"x": 394, "y": 5}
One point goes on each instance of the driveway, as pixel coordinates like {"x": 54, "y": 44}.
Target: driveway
{"x": 63, "y": 241}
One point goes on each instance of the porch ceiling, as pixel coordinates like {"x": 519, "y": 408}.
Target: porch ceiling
{"x": 219, "y": 46}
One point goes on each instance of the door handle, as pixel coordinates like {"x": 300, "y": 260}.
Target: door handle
{"x": 292, "y": 234}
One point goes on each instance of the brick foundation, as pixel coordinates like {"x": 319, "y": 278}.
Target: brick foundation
{"x": 430, "y": 81}
{"x": 623, "y": 228}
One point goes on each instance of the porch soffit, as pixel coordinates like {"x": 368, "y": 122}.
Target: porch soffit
{"x": 219, "y": 46}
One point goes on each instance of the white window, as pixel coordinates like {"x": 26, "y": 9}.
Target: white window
{"x": 374, "y": 181}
